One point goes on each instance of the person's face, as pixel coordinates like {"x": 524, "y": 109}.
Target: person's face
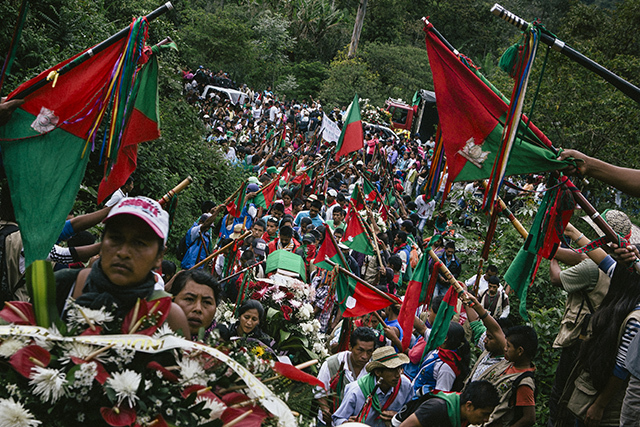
{"x": 361, "y": 353}
{"x": 297, "y": 208}
{"x": 397, "y": 241}
{"x": 330, "y": 199}
{"x": 199, "y": 305}
{"x": 477, "y": 416}
{"x": 490, "y": 273}
{"x": 491, "y": 344}
{"x": 248, "y": 321}
{"x": 450, "y": 252}
{"x": 277, "y": 214}
{"x": 287, "y": 200}
{"x": 338, "y": 234}
{"x": 432, "y": 316}
{"x": 511, "y": 353}
{"x": 493, "y": 289}
{"x": 271, "y": 228}
{"x": 129, "y": 251}
{"x": 389, "y": 377}
{"x": 313, "y": 212}
{"x": 128, "y": 187}
{"x": 338, "y": 216}
{"x": 257, "y": 231}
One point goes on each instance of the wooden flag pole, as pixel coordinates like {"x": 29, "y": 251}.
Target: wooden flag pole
{"x": 213, "y": 254}
{"x": 446, "y": 273}
{"x": 333, "y": 239}
{"x": 178, "y": 188}
{"x": 368, "y": 285}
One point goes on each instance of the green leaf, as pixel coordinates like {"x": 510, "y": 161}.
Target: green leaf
{"x": 42, "y": 287}
{"x": 284, "y": 334}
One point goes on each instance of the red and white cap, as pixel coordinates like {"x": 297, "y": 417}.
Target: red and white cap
{"x": 147, "y": 210}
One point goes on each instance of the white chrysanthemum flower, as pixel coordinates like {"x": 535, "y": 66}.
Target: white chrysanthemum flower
{"x": 305, "y": 311}
{"x": 85, "y": 375}
{"x": 215, "y": 408}
{"x": 163, "y": 331}
{"x": 228, "y": 316}
{"x": 97, "y": 317}
{"x": 295, "y": 303}
{"x": 307, "y": 328}
{"x": 48, "y": 383}
{"x": 316, "y": 325}
{"x": 125, "y": 384}
{"x": 79, "y": 350}
{"x": 192, "y": 372}
{"x": 122, "y": 357}
{"x": 10, "y": 346}
{"x": 278, "y": 296}
{"x": 49, "y": 341}
{"x": 13, "y": 414}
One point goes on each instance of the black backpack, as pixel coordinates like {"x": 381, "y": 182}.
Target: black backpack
{"x": 181, "y": 249}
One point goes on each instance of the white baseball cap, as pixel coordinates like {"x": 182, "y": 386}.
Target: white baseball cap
{"x": 147, "y": 210}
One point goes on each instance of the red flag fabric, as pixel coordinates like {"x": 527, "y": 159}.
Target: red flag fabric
{"x": 357, "y": 299}
{"x": 355, "y": 236}
{"x": 328, "y": 250}
{"x": 352, "y": 136}
{"x": 413, "y": 298}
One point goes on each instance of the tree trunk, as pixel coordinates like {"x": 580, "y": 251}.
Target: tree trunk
{"x": 357, "y": 28}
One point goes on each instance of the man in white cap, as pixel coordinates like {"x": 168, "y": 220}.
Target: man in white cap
{"x": 133, "y": 244}
{"x": 375, "y": 398}
{"x": 330, "y": 204}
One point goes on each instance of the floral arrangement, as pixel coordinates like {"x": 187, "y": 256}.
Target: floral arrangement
{"x": 153, "y": 378}
{"x": 375, "y": 115}
{"x": 289, "y": 317}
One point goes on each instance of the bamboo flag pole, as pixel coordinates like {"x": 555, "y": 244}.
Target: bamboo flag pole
{"x": 175, "y": 190}
{"x": 367, "y": 284}
{"x": 91, "y": 52}
{"x": 213, "y": 254}
{"x": 445, "y": 272}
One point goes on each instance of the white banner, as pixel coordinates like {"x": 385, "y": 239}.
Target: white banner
{"x": 329, "y": 130}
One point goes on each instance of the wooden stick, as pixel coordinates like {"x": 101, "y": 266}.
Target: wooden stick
{"x": 210, "y": 257}
{"x": 178, "y": 188}
{"x": 241, "y": 271}
{"x": 446, "y": 273}
{"x": 368, "y": 285}
{"x": 514, "y": 221}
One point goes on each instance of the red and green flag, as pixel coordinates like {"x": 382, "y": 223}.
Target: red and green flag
{"x": 44, "y": 145}
{"x": 330, "y": 250}
{"x": 355, "y": 235}
{"x": 352, "y": 136}
{"x": 419, "y": 291}
{"x": 472, "y": 116}
{"x": 369, "y": 189}
{"x": 441, "y": 324}
{"x": 357, "y": 299}
{"x": 267, "y": 194}
{"x": 236, "y": 204}
{"x": 146, "y": 117}
{"x": 357, "y": 199}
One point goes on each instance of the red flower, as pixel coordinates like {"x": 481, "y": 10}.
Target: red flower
{"x": 166, "y": 374}
{"x": 118, "y": 416}
{"x": 18, "y": 313}
{"x": 27, "y": 358}
{"x": 286, "y": 312}
{"x": 155, "y": 311}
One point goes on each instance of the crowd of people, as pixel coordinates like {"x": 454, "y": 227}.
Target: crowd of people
{"x": 370, "y": 377}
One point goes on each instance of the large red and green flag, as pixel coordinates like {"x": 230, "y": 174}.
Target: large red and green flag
{"x": 146, "y": 117}
{"x": 442, "y": 321}
{"x": 352, "y": 136}
{"x": 419, "y": 291}
{"x": 267, "y": 194}
{"x": 44, "y": 145}
{"x": 355, "y": 236}
{"x": 236, "y": 204}
{"x": 329, "y": 250}
{"x": 357, "y": 299}
{"x": 472, "y": 116}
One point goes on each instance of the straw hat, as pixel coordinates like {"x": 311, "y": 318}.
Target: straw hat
{"x": 620, "y": 223}
{"x": 386, "y": 358}
{"x": 237, "y": 231}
